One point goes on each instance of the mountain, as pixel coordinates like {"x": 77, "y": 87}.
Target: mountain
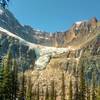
{"x": 50, "y": 54}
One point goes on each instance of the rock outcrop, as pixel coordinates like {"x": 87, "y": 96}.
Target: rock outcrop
{"x": 51, "y": 54}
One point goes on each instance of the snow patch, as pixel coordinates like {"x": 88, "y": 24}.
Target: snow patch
{"x": 52, "y": 51}
{"x": 46, "y": 54}
{"x": 78, "y": 22}
{"x": 31, "y": 45}
{"x": 42, "y": 61}
{"x": 1, "y": 12}
{"x": 43, "y": 38}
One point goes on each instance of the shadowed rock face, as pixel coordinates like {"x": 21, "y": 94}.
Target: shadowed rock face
{"x": 50, "y": 54}
{"x": 69, "y": 62}
{"x": 51, "y": 44}
{"x": 77, "y": 33}
{"x": 56, "y": 39}
{"x": 20, "y": 51}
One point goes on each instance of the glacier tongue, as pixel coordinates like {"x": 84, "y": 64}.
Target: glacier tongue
{"x": 52, "y": 51}
{"x": 42, "y": 62}
{"x": 46, "y": 54}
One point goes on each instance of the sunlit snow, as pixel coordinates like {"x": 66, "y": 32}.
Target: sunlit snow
{"x": 1, "y": 11}
{"x": 45, "y": 52}
{"x": 78, "y": 22}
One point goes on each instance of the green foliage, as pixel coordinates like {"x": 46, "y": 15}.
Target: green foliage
{"x": 98, "y": 23}
{"x": 52, "y": 91}
{"x": 93, "y": 87}
{"x": 82, "y": 83}
{"x": 38, "y": 93}
{"x": 7, "y": 90}
{"x": 76, "y": 94}
{"x": 47, "y": 94}
{"x": 70, "y": 90}
{"x": 42, "y": 94}
{"x": 63, "y": 87}
{"x": 22, "y": 87}
{"x": 88, "y": 91}
{"x": 29, "y": 89}
{"x": 98, "y": 92}
{"x": 1, "y": 81}
{"x": 9, "y": 84}
{"x": 14, "y": 78}
{"x": 55, "y": 95}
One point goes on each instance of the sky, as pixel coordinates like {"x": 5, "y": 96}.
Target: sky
{"x": 54, "y": 15}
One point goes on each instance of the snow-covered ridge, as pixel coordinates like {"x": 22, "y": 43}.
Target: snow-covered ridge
{"x": 79, "y": 22}
{"x": 23, "y": 41}
{"x": 10, "y": 34}
{"x": 31, "y": 45}
{"x": 45, "y": 53}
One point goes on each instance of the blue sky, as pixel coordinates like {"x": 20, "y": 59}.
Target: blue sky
{"x": 54, "y": 15}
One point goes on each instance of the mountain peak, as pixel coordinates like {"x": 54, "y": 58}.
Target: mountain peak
{"x": 56, "y": 39}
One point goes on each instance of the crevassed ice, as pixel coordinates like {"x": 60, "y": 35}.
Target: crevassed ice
{"x": 46, "y": 54}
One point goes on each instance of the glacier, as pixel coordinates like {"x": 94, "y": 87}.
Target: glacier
{"x": 43, "y": 53}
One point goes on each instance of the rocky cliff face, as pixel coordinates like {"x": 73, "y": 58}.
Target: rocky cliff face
{"x": 49, "y": 45}
{"x": 52, "y": 53}
{"x": 20, "y": 51}
{"x": 69, "y": 63}
{"x": 56, "y": 39}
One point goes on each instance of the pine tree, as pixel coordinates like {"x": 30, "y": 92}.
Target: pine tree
{"x": 63, "y": 87}
{"x": 87, "y": 92}
{"x": 29, "y": 89}
{"x": 82, "y": 83}
{"x": 47, "y": 94}
{"x": 7, "y": 89}
{"x": 98, "y": 92}
{"x": 42, "y": 94}
{"x": 76, "y": 94}
{"x": 14, "y": 80}
{"x": 22, "y": 87}
{"x": 52, "y": 91}
{"x": 1, "y": 81}
{"x": 70, "y": 90}
{"x": 34, "y": 94}
{"x": 55, "y": 95}
{"x": 93, "y": 86}
{"x": 38, "y": 92}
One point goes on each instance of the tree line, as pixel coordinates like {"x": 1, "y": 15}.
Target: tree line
{"x": 15, "y": 85}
